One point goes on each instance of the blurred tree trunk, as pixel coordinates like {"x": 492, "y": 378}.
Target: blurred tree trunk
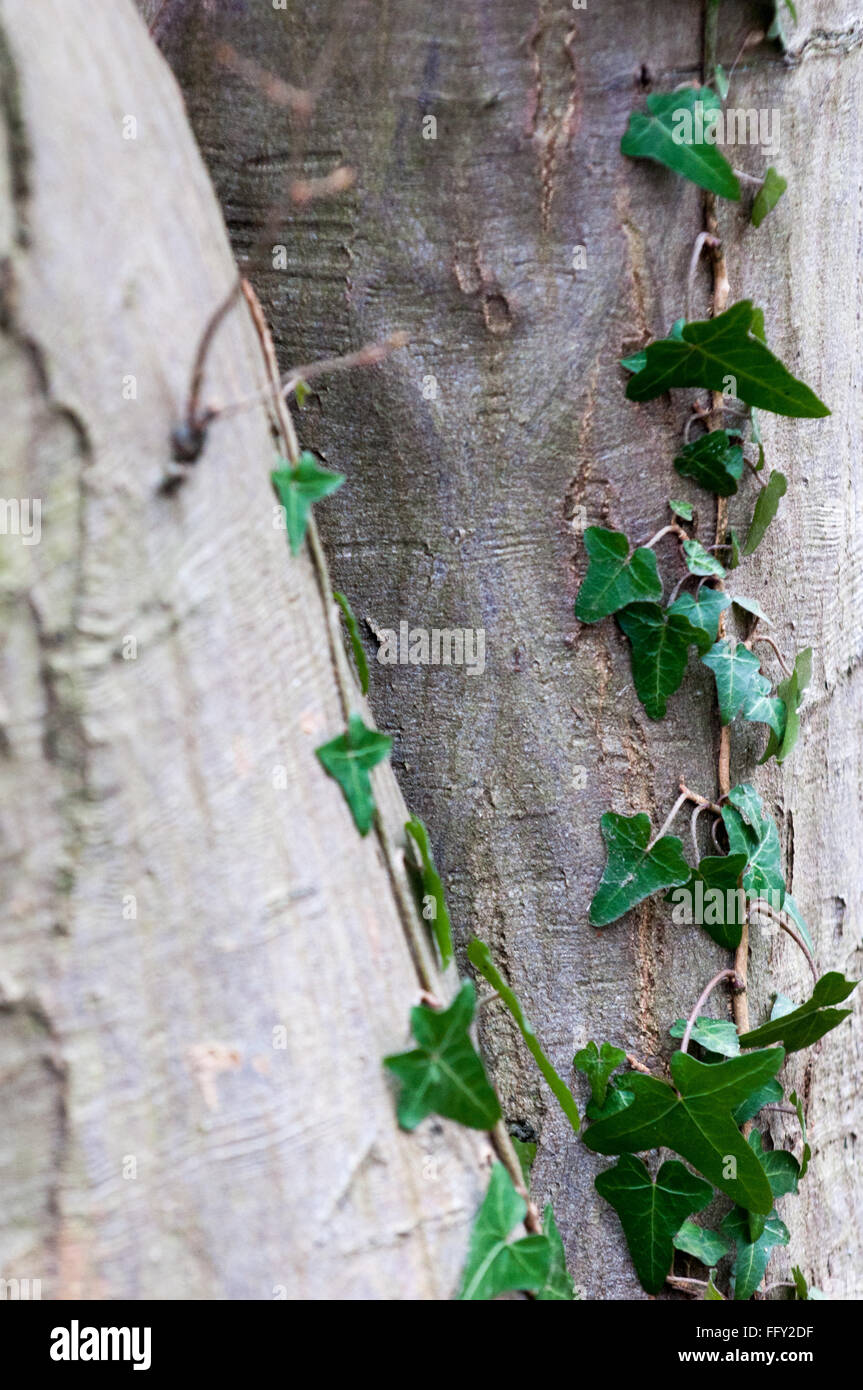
{"x": 475, "y": 458}
{"x": 202, "y": 962}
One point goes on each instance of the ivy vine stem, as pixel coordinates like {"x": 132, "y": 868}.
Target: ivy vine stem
{"x": 786, "y": 926}
{"x": 763, "y": 637}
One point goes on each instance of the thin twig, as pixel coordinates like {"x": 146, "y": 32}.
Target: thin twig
{"x": 699, "y": 800}
{"x": 703, "y": 239}
{"x": 367, "y": 356}
{"x": 693, "y": 826}
{"x": 665, "y": 531}
{"x": 638, "y": 1066}
{"x": 684, "y": 797}
{"x": 786, "y": 926}
{"x": 762, "y": 637}
{"x": 702, "y": 1000}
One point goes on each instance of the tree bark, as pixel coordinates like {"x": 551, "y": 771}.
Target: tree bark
{"x": 203, "y": 963}
{"x": 466, "y": 509}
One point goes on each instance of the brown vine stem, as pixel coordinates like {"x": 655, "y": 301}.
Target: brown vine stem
{"x": 787, "y": 927}
{"x": 702, "y": 1000}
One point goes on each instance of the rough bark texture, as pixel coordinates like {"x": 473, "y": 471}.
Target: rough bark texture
{"x": 465, "y": 509}
{"x": 157, "y": 1140}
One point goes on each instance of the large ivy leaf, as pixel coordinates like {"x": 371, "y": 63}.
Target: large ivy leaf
{"x": 660, "y": 643}
{"x": 766, "y": 507}
{"x": 673, "y": 134}
{"x": 694, "y": 1118}
{"x": 613, "y": 579}
{"x": 811, "y": 1021}
{"x": 753, "y": 833}
{"x": 495, "y": 1264}
{"x": 791, "y": 692}
{"x": 702, "y": 611}
{"x": 598, "y": 1063}
{"x": 711, "y": 900}
{"x": 444, "y": 1075}
{"x": 740, "y": 687}
{"x": 348, "y": 759}
{"x": 714, "y": 460}
{"x": 717, "y": 1035}
{"x": 558, "y": 1286}
{"x": 635, "y": 869}
{"x": 432, "y": 889}
{"x": 362, "y": 664}
{"x": 768, "y": 196}
{"x": 705, "y": 1245}
{"x": 722, "y": 354}
{"x": 480, "y": 957}
{"x": 651, "y": 1212}
{"x": 751, "y": 1260}
{"x": 297, "y": 488}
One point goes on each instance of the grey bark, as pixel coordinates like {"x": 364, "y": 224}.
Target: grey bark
{"x": 465, "y": 509}
{"x": 169, "y": 902}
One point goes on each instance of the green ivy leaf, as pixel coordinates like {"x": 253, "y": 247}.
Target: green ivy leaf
{"x": 597, "y": 1065}
{"x": 714, "y": 460}
{"x": 635, "y": 868}
{"x": 660, "y": 642}
{"x": 769, "y": 1094}
{"x": 807, "y": 1152}
{"x": 670, "y": 132}
{"x": 781, "y": 1167}
{"x": 702, "y": 611}
{"x": 432, "y": 888}
{"x": 721, "y": 79}
{"x": 752, "y": 1256}
{"x": 694, "y": 1118}
{"x": 768, "y": 196}
{"x": 612, "y": 579}
{"x": 494, "y": 1263}
{"x": 700, "y": 561}
{"x": 750, "y": 606}
{"x": 480, "y": 957}
{"x": 356, "y": 645}
{"x": 297, "y": 488}
{"x": 766, "y": 507}
{"x": 711, "y": 1293}
{"x": 741, "y": 687}
{"x": 638, "y": 360}
{"x": 734, "y": 548}
{"x": 713, "y": 350}
{"x": 705, "y": 1245}
{"x": 558, "y": 1287}
{"x": 753, "y": 833}
{"x": 651, "y": 1212}
{"x": 722, "y": 911}
{"x": 681, "y": 509}
{"x": 803, "y": 1290}
{"x": 444, "y": 1075}
{"x": 348, "y": 759}
{"x": 791, "y": 693}
{"x": 301, "y": 392}
{"x": 526, "y": 1154}
{"x": 717, "y": 1035}
{"x": 810, "y": 1021}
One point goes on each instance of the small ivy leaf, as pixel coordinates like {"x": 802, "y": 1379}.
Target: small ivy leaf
{"x": 432, "y": 888}
{"x": 635, "y": 868}
{"x": 750, "y": 606}
{"x": 770, "y": 1093}
{"x": 721, "y": 78}
{"x": 702, "y": 610}
{"x": 768, "y": 196}
{"x": 362, "y": 664}
{"x": 660, "y": 642}
{"x": 712, "y": 350}
{"x": 651, "y": 1212}
{"x": 781, "y": 1167}
{"x": 791, "y": 692}
{"x": 734, "y": 548}
{"x": 712, "y": 892}
{"x": 558, "y": 1286}
{"x": 752, "y": 1256}
{"x": 617, "y": 1099}
{"x": 704, "y": 1245}
{"x": 766, "y": 507}
{"x": 301, "y": 392}
{"x": 752, "y": 832}
{"x": 612, "y": 579}
{"x": 681, "y": 509}
{"x": 810, "y": 1021}
{"x": 494, "y": 1263}
{"x": 444, "y": 1075}
{"x": 297, "y": 488}
{"x": 348, "y": 759}
{"x": 807, "y": 1152}
{"x": 760, "y": 707}
{"x": 480, "y": 957}
{"x": 717, "y": 1035}
{"x": 803, "y": 1290}
{"x": 711, "y": 1293}
{"x": 700, "y": 561}
{"x": 638, "y": 360}
{"x": 782, "y": 1005}
{"x": 597, "y": 1065}
{"x": 694, "y": 1118}
{"x": 673, "y": 134}
{"x": 525, "y": 1153}
{"x": 714, "y": 461}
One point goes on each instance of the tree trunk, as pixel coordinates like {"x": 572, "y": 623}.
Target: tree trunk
{"x": 464, "y": 507}
{"x": 203, "y": 963}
